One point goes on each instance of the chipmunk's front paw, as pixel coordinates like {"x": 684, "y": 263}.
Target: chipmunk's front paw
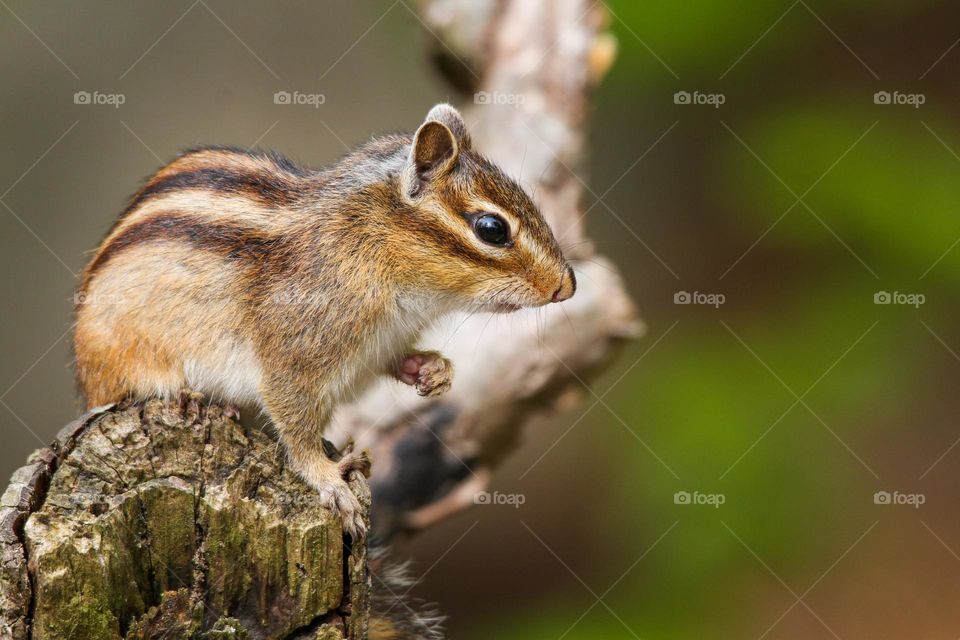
{"x": 428, "y": 371}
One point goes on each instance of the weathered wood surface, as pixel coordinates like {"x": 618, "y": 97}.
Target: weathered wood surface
{"x": 169, "y": 521}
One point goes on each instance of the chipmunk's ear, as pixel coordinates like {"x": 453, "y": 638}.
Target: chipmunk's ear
{"x": 449, "y": 116}
{"x": 439, "y": 139}
{"x": 434, "y": 151}
{"x": 436, "y": 147}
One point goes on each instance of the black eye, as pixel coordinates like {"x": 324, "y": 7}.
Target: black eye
{"x": 492, "y": 229}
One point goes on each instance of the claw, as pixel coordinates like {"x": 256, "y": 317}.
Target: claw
{"x": 190, "y": 402}
{"x": 232, "y": 412}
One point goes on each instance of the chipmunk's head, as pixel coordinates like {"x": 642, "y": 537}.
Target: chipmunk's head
{"x": 477, "y": 235}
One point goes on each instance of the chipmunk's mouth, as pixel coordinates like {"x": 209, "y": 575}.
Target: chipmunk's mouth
{"x": 514, "y": 297}
{"x": 505, "y": 307}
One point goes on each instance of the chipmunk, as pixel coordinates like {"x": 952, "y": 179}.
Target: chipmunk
{"x": 252, "y": 280}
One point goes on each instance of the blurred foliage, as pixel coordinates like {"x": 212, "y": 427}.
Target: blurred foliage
{"x": 713, "y": 400}
{"x": 895, "y": 197}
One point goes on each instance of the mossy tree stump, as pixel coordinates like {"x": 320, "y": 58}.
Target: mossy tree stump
{"x": 164, "y": 520}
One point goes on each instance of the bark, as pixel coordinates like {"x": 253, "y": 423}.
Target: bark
{"x": 169, "y": 521}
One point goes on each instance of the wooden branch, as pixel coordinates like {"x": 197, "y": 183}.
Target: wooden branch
{"x": 170, "y": 521}
{"x": 531, "y": 65}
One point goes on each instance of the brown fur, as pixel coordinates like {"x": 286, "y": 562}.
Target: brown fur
{"x": 250, "y": 279}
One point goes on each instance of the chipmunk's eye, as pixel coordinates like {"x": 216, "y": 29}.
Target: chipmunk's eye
{"x": 492, "y": 229}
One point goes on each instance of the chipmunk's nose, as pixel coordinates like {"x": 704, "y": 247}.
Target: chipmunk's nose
{"x": 568, "y": 285}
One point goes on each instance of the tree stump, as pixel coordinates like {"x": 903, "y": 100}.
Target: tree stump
{"x": 169, "y": 520}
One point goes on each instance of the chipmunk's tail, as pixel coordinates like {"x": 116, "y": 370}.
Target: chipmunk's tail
{"x": 395, "y": 615}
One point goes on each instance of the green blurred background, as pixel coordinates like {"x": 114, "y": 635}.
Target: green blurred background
{"x": 793, "y": 402}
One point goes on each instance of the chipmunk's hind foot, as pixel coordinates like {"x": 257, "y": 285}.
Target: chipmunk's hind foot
{"x": 330, "y": 478}
{"x": 337, "y": 496}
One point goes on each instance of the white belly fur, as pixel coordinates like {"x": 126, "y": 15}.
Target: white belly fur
{"x": 231, "y": 373}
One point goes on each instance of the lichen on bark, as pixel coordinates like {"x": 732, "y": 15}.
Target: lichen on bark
{"x": 169, "y": 520}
